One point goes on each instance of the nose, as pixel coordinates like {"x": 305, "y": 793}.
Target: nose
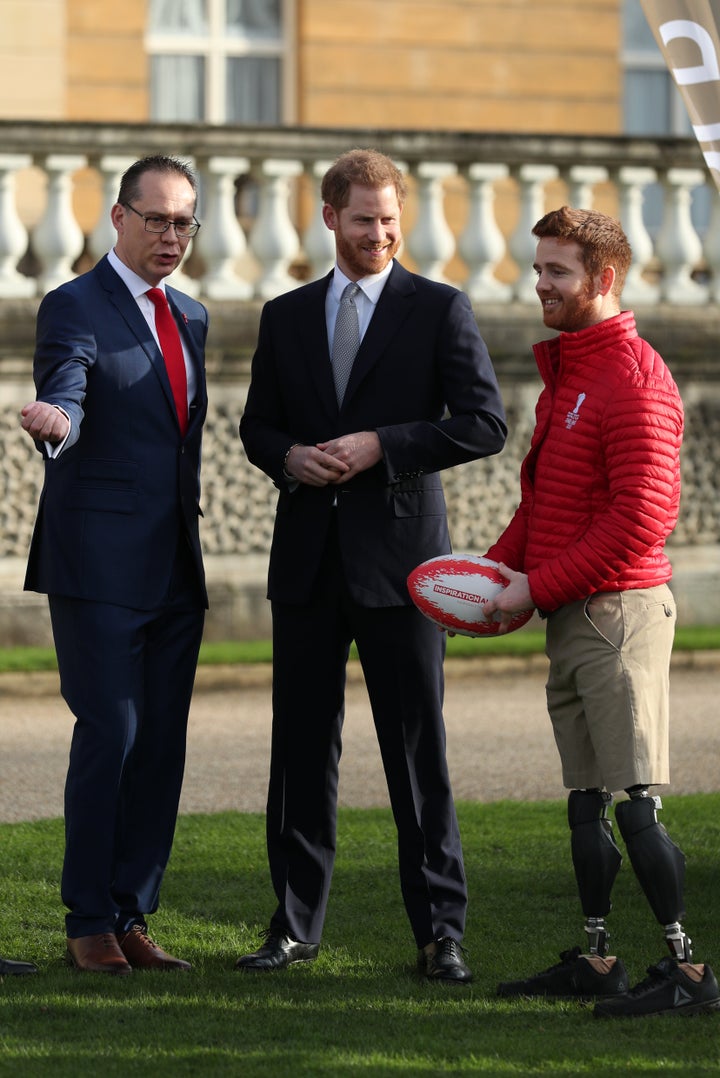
{"x": 376, "y": 232}
{"x": 167, "y": 237}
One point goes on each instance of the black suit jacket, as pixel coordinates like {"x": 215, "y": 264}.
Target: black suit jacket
{"x": 422, "y": 379}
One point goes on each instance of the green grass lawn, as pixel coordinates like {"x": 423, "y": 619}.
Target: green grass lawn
{"x": 525, "y": 642}
{"x": 360, "y": 1009}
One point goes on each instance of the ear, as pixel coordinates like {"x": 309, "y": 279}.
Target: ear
{"x": 330, "y": 217}
{"x": 117, "y": 216}
{"x": 606, "y": 280}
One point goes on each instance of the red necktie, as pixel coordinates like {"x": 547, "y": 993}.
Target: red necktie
{"x": 172, "y": 353}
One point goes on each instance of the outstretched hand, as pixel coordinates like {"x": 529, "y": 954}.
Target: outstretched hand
{"x": 44, "y": 422}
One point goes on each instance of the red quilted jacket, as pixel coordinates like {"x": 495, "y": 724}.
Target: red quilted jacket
{"x": 600, "y": 486}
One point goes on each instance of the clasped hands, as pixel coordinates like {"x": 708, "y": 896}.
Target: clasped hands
{"x": 335, "y": 462}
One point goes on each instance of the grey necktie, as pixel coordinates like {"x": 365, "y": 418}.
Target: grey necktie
{"x": 346, "y": 339}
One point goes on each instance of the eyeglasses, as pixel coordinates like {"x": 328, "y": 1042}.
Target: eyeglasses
{"x": 183, "y": 229}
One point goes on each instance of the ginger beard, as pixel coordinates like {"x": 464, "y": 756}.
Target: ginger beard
{"x": 569, "y": 313}
{"x": 571, "y": 298}
{"x": 364, "y": 258}
{"x": 367, "y": 230}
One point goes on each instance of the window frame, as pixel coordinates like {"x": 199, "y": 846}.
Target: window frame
{"x": 635, "y": 60}
{"x": 216, "y": 47}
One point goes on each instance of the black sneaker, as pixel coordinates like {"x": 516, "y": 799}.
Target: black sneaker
{"x": 666, "y": 990}
{"x": 574, "y": 977}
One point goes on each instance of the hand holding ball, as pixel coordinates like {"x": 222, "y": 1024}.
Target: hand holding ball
{"x": 453, "y": 589}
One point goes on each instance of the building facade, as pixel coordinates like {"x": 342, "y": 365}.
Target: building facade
{"x": 465, "y": 65}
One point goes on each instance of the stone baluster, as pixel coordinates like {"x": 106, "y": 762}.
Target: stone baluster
{"x": 631, "y": 182}
{"x": 57, "y": 239}
{"x": 318, "y": 241}
{"x": 581, "y": 181}
{"x": 531, "y": 180}
{"x": 221, "y": 241}
{"x": 431, "y": 242}
{"x": 678, "y": 245}
{"x": 180, "y": 279}
{"x": 13, "y": 234}
{"x": 273, "y": 238}
{"x": 711, "y": 248}
{"x": 482, "y": 244}
{"x": 111, "y": 168}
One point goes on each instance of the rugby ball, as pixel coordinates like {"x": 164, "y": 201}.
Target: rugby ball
{"x": 453, "y": 589}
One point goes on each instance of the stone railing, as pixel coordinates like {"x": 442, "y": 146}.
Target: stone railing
{"x": 473, "y": 200}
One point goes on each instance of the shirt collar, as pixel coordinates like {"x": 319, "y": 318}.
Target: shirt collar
{"x": 135, "y": 284}
{"x": 371, "y": 286}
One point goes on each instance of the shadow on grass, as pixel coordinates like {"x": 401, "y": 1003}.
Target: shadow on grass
{"x": 360, "y": 1008}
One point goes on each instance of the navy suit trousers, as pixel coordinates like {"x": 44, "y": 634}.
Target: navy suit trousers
{"x": 127, "y": 675}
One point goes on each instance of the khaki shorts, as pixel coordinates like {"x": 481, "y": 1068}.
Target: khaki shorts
{"x": 608, "y": 687}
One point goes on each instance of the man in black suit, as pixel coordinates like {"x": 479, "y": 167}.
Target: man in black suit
{"x": 121, "y": 399}
{"x": 360, "y": 505}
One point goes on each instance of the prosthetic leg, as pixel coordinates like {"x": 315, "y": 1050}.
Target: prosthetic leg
{"x": 596, "y": 860}
{"x": 658, "y": 864}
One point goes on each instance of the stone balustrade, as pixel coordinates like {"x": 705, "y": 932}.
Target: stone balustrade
{"x": 260, "y": 207}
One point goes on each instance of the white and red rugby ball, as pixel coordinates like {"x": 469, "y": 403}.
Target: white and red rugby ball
{"x": 452, "y": 591}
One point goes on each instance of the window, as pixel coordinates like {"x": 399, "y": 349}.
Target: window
{"x": 652, "y": 104}
{"x": 217, "y": 60}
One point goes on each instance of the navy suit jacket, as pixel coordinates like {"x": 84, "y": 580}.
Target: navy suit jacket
{"x": 422, "y": 379}
{"x": 126, "y": 485}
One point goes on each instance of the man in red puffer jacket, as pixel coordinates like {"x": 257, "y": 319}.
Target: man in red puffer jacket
{"x": 600, "y": 493}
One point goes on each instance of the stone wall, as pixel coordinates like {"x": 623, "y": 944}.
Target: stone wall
{"x": 239, "y": 501}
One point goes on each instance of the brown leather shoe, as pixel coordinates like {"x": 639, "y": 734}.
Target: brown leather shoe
{"x": 143, "y": 953}
{"x": 97, "y": 954}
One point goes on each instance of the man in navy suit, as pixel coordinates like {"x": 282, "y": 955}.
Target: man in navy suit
{"x": 360, "y": 505}
{"x": 116, "y": 547}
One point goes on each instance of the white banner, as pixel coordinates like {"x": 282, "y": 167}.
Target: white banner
{"x": 687, "y": 32}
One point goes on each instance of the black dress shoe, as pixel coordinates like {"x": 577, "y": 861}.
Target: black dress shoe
{"x": 9, "y": 968}
{"x": 278, "y": 952}
{"x": 444, "y": 963}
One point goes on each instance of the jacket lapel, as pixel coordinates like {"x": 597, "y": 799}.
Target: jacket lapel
{"x": 315, "y": 342}
{"x": 128, "y": 309}
{"x": 125, "y": 304}
{"x": 396, "y": 303}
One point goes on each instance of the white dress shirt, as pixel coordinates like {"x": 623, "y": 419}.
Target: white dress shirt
{"x": 365, "y": 300}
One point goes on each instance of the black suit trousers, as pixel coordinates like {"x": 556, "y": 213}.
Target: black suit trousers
{"x": 402, "y": 654}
